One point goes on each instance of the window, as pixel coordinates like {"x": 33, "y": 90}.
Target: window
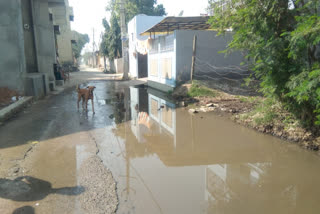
{"x": 154, "y": 46}
{"x": 166, "y": 43}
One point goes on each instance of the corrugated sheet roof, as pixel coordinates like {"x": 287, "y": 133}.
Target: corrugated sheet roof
{"x": 172, "y": 23}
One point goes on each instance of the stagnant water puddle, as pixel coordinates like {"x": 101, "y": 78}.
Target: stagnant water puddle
{"x": 169, "y": 161}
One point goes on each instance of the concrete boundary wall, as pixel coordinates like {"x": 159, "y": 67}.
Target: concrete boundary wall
{"x": 208, "y": 48}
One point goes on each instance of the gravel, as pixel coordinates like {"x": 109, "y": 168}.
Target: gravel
{"x": 100, "y": 196}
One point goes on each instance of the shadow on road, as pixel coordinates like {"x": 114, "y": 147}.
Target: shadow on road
{"x": 27, "y": 188}
{"x": 24, "y": 210}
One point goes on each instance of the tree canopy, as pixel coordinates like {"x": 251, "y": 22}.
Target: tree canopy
{"x": 81, "y": 40}
{"x": 135, "y": 7}
{"x": 111, "y": 40}
{"x": 282, "y": 39}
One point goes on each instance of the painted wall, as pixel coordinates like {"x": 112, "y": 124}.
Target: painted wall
{"x": 208, "y": 47}
{"x": 137, "y": 25}
{"x": 12, "y": 61}
{"x": 162, "y": 62}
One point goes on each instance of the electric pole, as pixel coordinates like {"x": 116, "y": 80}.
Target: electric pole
{"x": 93, "y": 50}
{"x": 124, "y": 39}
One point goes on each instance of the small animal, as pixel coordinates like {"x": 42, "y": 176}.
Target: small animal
{"x": 85, "y": 94}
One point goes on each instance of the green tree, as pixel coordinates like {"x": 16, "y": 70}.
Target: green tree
{"x": 281, "y": 37}
{"x": 111, "y": 41}
{"x": 114, "y": 37}
{"x": 105, "y": 43}
{"x": 81, "y": 40}
{"x": 135, "y": 7}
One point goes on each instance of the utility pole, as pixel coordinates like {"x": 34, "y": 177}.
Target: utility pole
{"x": 124, "y": 39}
{"x": 93, "y": 50}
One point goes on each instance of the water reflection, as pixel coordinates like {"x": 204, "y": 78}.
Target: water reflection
{"x": 193, "y": 164}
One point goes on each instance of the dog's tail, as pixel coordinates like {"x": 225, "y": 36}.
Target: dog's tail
{"x": 78, "y": 88}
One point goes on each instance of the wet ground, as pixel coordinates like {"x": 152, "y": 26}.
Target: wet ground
{"x": 164, "y": 159}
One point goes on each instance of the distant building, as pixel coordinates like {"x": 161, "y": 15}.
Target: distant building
{"x": 138, "y": 58}
{"x": 62, "y": 14}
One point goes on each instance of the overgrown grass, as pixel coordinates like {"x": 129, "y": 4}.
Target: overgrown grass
{"x": 250, "y": 100}
{"x": 198, "y": 90}
{"x": 269, "y": 112}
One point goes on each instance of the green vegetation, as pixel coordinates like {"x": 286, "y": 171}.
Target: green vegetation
{"x": 198, "y": 90}
{"x": 111, "y": 46}
{"x": 135, "y": 7}
{"x": 111, "y": 40}
{"x": 81, "y": 40}
{"x": 270, "y": 112}
{"x": 282, "y": 40}
{"x": 251, "y": 100}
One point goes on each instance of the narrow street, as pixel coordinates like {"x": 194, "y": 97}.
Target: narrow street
{"x": 162, "y": 159}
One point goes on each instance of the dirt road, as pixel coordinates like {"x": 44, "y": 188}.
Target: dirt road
{"x": 141, "y": 154}
{"x": 48, "y": 156}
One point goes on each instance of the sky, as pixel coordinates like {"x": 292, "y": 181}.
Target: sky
{"x": 88, "y": 14}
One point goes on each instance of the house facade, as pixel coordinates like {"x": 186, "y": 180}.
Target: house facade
{"x": 171, "y": 51}
{"x": 138, "y": 45}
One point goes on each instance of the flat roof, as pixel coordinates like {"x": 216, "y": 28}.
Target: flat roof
{"x": 171, "y": 23}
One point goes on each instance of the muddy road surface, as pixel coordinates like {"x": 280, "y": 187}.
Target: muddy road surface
{"x": 139, "y": 154}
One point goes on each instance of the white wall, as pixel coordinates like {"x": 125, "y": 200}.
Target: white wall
{"x": 159, "y": 56}
{"x": 137, "y": 25}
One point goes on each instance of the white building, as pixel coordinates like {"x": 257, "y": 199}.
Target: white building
{"x": 138, "y": 58}
{"x": 171, "y": 51}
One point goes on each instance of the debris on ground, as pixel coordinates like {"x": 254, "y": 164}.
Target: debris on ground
{"x": 100, "y": 194}
{"x": 8, "y": 97}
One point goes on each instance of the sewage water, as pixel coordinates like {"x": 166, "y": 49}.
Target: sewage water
{"x": 166, "y": 160}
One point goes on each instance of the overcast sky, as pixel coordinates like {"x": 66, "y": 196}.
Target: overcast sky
{"x": 88, "y": 14}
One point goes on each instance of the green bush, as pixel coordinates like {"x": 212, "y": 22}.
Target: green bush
{"x": 282, "y": 43}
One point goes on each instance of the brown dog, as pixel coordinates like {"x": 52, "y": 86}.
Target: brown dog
{"x": 85, "y": 94}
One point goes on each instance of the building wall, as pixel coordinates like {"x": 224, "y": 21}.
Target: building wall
{"x": 162, "y": 62}
{"x": 133, "y": 61}
{"x": 45, "y": 45}
{"x": 61, "y": 13}
{"x": 213, "y": 68}
{"x": 26, "y": 36}
{"x": 170, "y": 58}
{"x": 208, "y": 47}
{"x": 12, "y": 63}
{"x": 137, "y": 25}
{"x": 118, "y": 68}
